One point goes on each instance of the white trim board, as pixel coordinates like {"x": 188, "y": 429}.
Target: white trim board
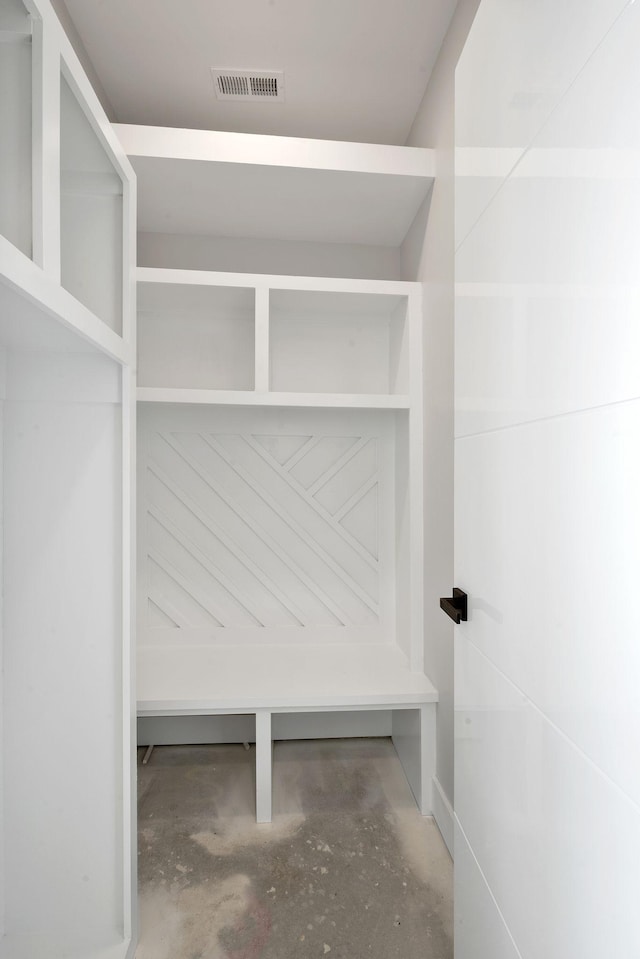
{"x": 443, "y": 815}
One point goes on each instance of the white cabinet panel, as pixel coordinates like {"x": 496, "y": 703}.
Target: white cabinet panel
{"x": 563, "y": 230}
{"x": 506, "y": 98}
{"x": 508, "y": 95}
{"x": 546, "y": 479}
{"x": 549, "y": 294}
{"x": 547, "y": 542}
{"x": 524, "y": 353}
{"x": 480, "y": 930}
{"x": 600, "y": 110}
{"x": 556, "y": 840}
{"x": 62, "y": 657}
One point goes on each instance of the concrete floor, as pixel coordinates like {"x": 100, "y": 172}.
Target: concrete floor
{"x": 348, "y": 869}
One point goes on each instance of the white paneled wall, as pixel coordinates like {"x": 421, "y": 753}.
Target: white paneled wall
{"x": 266, "y": 525}
{"x": 547, "y": 478}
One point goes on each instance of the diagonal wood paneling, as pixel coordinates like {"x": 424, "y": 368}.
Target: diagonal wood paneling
{"x": 250, "y": 529}
{"x": 366, "y": 532}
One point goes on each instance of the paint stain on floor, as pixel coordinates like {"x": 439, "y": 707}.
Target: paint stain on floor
{"x": 348, "y": 869}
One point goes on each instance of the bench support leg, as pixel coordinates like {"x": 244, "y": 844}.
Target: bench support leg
{"x": 414, "y": 738}
{"x": 264, "y": 764}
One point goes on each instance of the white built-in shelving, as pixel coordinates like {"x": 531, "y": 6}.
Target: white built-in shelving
{"x": 67, "y": 331}
{"x": 280, "y": 463}
{"x": 239, "y": 202}
{"x": 280, "y": 427}
{"x": 242, "y": 339}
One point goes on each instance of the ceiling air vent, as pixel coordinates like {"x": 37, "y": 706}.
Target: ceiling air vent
{"x": 248, "y": 84}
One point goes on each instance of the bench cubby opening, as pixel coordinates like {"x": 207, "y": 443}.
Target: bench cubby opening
{"x": 198, "y": 337}
{"x": 338, "y": 342}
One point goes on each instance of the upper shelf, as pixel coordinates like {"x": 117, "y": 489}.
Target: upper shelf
{"x": 205, "y": 183}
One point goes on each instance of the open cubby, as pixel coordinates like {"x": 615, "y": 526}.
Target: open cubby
{"x": 15, "y": 122}
{"x": 91, "y": 214}
{"x": 338, "y": 342}
{"x": 232, "y": 339}
{"x": 200, "y": 337}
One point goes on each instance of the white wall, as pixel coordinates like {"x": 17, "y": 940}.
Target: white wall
{"x": 427, "y": 255}
{"x": 232, "y": 552}
{"x": 547, "y": 474}
{"x": 249, "y": 255}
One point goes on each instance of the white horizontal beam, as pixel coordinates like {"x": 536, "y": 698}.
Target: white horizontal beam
{"x": 215, "y": 146}
{"x": 318, "y": 284}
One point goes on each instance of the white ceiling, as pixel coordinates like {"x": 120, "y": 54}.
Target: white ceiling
{"x": 354, "y": 69}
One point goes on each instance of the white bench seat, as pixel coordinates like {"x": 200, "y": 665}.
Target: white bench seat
{"x": 263, "y": 680}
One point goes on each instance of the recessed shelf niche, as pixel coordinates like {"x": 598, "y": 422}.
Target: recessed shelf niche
{"x": 202, "y": 337}
{"x": 15, "y": 122}
{"x": 338, "y": 342}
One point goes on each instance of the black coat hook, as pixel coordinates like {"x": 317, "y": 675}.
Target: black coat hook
{"x": 455, "y": 606}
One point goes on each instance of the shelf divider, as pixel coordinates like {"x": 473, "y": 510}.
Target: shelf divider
{"x": 262, "y": 381}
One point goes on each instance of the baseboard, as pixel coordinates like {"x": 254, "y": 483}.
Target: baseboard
{"x": 443, "y": 814}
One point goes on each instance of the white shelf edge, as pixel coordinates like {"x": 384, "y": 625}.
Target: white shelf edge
{"x": 30, "y": 283}
{"x": 216, "y": 146}
{"x": 307, "y": 705}
{"x": 370, "y": 676}
{"x": 153, "y": 394}
{"x": 316, "y": 284}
